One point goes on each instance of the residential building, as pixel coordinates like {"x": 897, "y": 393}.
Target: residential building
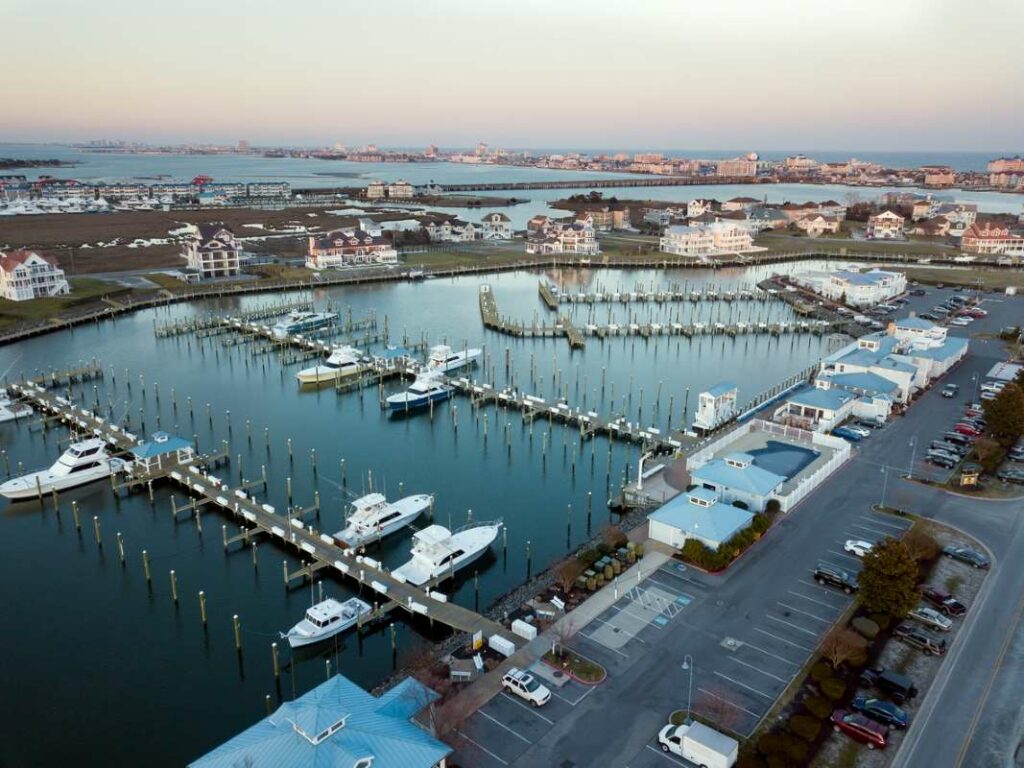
{"x": 698, "y": 515}
{"x": 832, "y": 208}
{"x": 856, "y": 289}
{"x": 213, "y": 251}
{"x": 729, "y": 237}
{"x": 123, "y": 191}
{"x": 715, "y": 406}
{"x": 338, "y": 725}
{"x": 737, "y": 166}
{"x": 452, "y": 231}
{"x": 174, "y": 190}
{"x": 660, "y": 217}
{"x": 761, "y": 219}
{"x": 349, "y": 247}
{"x": 607, "y": 217}
{"x": 816, "y": 409}
{"x": 400, "y": 190}
{"x": 938, "y": 176}
{"x": 992, "y": 239}
{"x": 959, "y": 215}
{"x": 553, "y": 237}
{"x": 815, "y": 224}
{"x": 937, "y": 227}
{"x": 27, "y": 274}
{"x": 886, "y": 225}
{"x": 921, "y": 209}
{"x": 875, "y": 395}
{"x": 737, "y": 478}
{"x": 695, "y": 208}
{"x": 496, "y": 226}
{"x": 376, "y": 190}
{"x": 1006, "y": 172}
{"x": 269, "y": 189}
{"x": 226, "y": 189}
{"x": 686, "y": 240}
{"x": 794, "y": 211}
{"x": 740, "y": 204}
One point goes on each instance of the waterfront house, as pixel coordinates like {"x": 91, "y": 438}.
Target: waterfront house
{"x": 815, "y": 224}
{"x": 761, "y": 218}
{"x": 696, "y": 207}
{"x": 737, "y": 478}
{"x": 686, "y": 240}
{"x": 451, "y": 231}
{"x": 699, "y": 515}
{"x": 605, "y": 218}
{"x": 832, "y": 208}
{"x": 740, "y": 204}
{"x": 213, "y": 251}
{"x": 496, "y": 226}
{"x": 338, "y": 725}
{"x": 959, "y": 215}
{"x": 816, "y": 409}
{"x": 27, "y": 274}
{"x": 659, "y": 217}
{"x": 937, "y": 227}
{"x": 730, "y": 237}
{"x": 794, "y": 211}
{"x": 554, "y": 237}
{"x": 886, "y": 225}
{"x": 349, "y": 247}
{"x": 921, "y": 209}
{"x": 992, "y": 239}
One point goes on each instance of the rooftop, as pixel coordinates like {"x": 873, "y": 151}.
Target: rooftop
{"x": 749, "y": 479}
{"x": 160, "y": 444}
{"x": 721, "y": 388}
{"x": 829, "y": 399}
{"x": 716, "y": 523}
{"x": 865, "y": 381}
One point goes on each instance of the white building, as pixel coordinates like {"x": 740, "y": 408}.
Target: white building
{"x": 349, "y": 247}
{"x": 552, "y": 237}
{"x": 496, "y": 226}
{"x": 269, "y": 189}
{"x": 716, "y": 406}
{"x": 885, "y": 226}
{"x": 26, "y": 274}
{"x": 452, "y": 231}
{"x": 720, "y": 237}
{"x": 213, "y": 251}
{"x": 699, "y": 515}
{"x": 698, "y": 207}
{"x": 856, "y": 289}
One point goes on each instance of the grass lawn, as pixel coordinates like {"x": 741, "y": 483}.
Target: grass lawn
{"x": 789, "y": 244}
{"x": 83, "y": 291}
{"x": 584, "y": 670}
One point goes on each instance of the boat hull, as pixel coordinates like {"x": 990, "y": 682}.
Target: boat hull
{"x": 323, "y": 375}
{"x": 410, "y": 508}
{"x": 404, "y": 402}
{"x": 418, "y": 573}
{"x": 26, "y": 487}
{"x": 297, "y": 639}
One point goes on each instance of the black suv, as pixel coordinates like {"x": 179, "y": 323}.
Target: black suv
{"x": 896, "y": 686}
{"x": 918, "y": 638}
{"x": 826, "y": 574}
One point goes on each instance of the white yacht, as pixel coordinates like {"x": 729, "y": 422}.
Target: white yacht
{"x": 445, "y": 360}
{"x": 343, "y": 362}
{"x": 9, "y": 411}
{"x": 83, "y": 462}
{"x": 373, "y": 517}
{"x": 438, "y": 553}
{"x": 299, "y": 322}
{"x": 430, "y": 386}
{"x": 326, "y": 619}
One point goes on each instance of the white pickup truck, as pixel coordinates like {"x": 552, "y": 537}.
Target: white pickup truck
{"x": 526, "y": 686}
{"x": 699, "y": 744}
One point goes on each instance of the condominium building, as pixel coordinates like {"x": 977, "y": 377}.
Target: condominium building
{"x": 26, "y": 274}
{"x": 348, "y": 247}
{"x": 720, "y": 237}
{"x": 213, "y": 251}
{"x": 269, "y": 189}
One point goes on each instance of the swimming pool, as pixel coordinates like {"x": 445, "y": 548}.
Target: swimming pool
{"x": 782, "y": 458}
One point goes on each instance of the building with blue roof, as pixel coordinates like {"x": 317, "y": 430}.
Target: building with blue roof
{"x": 736, "y": 477}
{"x": 855, "y": 289}
{"x": 163, "y": 447}
{"x": 816, "y": 408}
{"x": 338, "y": 725}
{"x": 697, "y": 514}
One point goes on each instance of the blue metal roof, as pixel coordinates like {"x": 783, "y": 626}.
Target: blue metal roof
{"x": 160, "y": 444}
{"x": 865, "y": 381}
{"x": 299, "y": 734}
{"x": 829, "y": 399}
{"x": 721, "y": 388}
{"x": 717, "y": 523}
{"x": 750, "y": 479}
{"x": 951, "y": 347}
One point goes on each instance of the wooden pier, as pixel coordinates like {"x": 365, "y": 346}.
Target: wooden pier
{"x": 222, "y": 323}
{"x": 553, "y": 298}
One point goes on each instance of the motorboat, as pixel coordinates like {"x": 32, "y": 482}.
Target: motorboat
{"x": 9, "y": 410}
{"x": 343, "y": 362}
{"x": 83, "y": 462}
{"x": 444, "y": 359}
{"x": 326, "y": 619}
{"x": 299, "y": 322}
{"x": 430, "y": 386}
{"x": 437, "y": 552}
{"x": 373, "y": 517}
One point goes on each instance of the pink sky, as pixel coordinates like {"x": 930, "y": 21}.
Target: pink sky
{"x": 913, "y": 74}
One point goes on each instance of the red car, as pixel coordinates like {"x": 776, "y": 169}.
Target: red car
{"x": 859, "y": 728}
{"x": 977, "y": 312}
{"x": 973, "y": 412}
{"x": 967, "y": 429}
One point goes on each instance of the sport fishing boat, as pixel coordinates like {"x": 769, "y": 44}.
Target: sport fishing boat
{"x": 444, "y": 359}
{"x": 343, "y": 362}
{"x": 438, "y": 553}
{"x": 373, "y": 517}
{"x": 326, "y": 619}
{"x": 300, "y": 322}
{"x": 429, "y": 386}
{"x": 83, "y": 462}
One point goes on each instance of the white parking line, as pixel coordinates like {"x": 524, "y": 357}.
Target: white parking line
{"x": 502, "y": 725}
{"x": 783, "y": 640}
{"x": 615, "y": 627}
{"x": 732, "y": 704}
{"x": 821, "y": 589}
{"x": 674, "y": 590}
{"x": 874, "y": 519}
{"x": 748, "y": 644}
{"x": 794, "y": 626}
{"x": 681, "y": 577}
{"x": 811, "y": 599}
{"x": 641, "y": 619}
{"x": 805, "y": 613}
{"x": 876, "y": 531}
{"x": 743, "y": 685}
{"x": 531, "y": 710}
{"x": 666, "y": 755}
{"x": 606, "y": 647}
{"x": 481, "y": 747}
{"x": 854, "y": 558}
{"x": 758, "y": 669}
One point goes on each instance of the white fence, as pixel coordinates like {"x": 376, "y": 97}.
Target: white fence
{"x": 841, "y": 452}
{"x": 705, "y": 454}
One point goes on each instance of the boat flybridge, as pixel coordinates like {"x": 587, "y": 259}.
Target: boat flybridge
{"x": 299, "y": 322}
{"x": 444, "y": 359}
{"x": 429, "y": 387}
{"x": 83, "y": 462}
{"x": 373, "y": 517}
{"x": 437, "y": 552}
{"x": 342, "y": 363}
{"x": 326, "y": 619}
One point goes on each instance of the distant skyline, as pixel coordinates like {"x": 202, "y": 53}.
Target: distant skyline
{"x": 918, "y": 75}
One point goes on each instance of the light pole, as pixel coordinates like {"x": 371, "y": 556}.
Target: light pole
{"x": 885, "y": 477}
{"x": 913, "y": 452}
{"x": 688, "y": 667}
{"x": 974, "y": 399}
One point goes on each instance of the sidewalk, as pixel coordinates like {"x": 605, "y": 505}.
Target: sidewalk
{"x": 484, "y": 688}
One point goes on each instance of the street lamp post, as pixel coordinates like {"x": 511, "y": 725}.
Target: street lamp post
{"x": 688, "y": 666}
{"x": 913, "y": 453}
{"x": 885, "y": 477}
{"x": 974, "y": 378}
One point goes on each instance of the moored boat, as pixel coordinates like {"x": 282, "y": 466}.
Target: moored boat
{"x": 429, "y": 387}
{"x": 299, "y": 322}
{"x": 438, "y": 553}
{"x": 373, "y": 517}
{"x": 83, "y": 462}
{"x": 444, "y": 359}
{"x": 342, "y": 363}
{"x": 326, "y": 619}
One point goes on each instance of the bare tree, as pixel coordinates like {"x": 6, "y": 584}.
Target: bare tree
{"x": 921, "y": 543}
{"x": 613, "y": 536}
{"x": 562, "y": 632}
{"x": 567, "y": 572}
{"x": 842, "y": 645}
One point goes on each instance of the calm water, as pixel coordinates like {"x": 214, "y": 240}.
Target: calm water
{"x": 90, "y": 651}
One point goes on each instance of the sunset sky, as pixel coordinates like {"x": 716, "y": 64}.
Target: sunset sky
{"x": 873, "y": 74}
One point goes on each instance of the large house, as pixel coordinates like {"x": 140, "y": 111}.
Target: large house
{"x": 451, "y": 231}
{"x": 398, "y": 190}
{"x": 992, "y": 239}
{"x": 551, "y": 237}
{"x": 348, "y": 247}
{"x": 1006, "y": 172}
{"x": 697, "y": 514}
{"x": 26, "y": 274}
{"x": 740, "y": 204}
{"x": 885, "y": 226}
{"x": 213, "y": 251}
{"x": 718, "y": 237}
{"x": 856, "y": 289}
{"x": 815, "y": 224}
{"x": 496, "y": 226}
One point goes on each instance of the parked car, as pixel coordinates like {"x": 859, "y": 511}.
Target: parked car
{"x": 857, "y": 429}
{"x": 957, "y": 439}
{"x": 826, "y": 574}
{"x": 870, "y": 423}
{"x": 846, "y": 434}
{"x": 895, "y": 685}
{"x": 699, "y": 745}
{"x": 988, "y": 395}
{"x": 967, "y": 555}
{"x": 977, "y": 312}
{"x": 881, "y": 711}
{"x": 953, "y": 448}
{"x": 858, "y": 547}
{"x": 1015, "y": 454}
{"x": 526, "y": 686}
{"x": 973, "y": 413}
{"x": 949, "y": 390}
{"x": 860, "y": 728}
{"x": 941, "y": 455}
{"x": 943, "y": 600}
{"x": 919, "y": 292}
{"x": 967, "y": 429}
{"x": 942, "y": 461}
{"x": 1011, "y": 475}
{"x": 930, "y": 618}
{"x": 928, "y": 316}
{"x": 961, "y": 322}
{"x": 918, "y": 638}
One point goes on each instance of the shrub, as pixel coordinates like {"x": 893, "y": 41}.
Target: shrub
{"x": 602, "y": 549}
{"x": 773, "y": 507}
{"x": 807, "y": 728}
{"x": 922, "y": 545}
{"x": 588, "y": 557}
{"x": 782, "y": 746}
{"x": 833, "y": 688}
{"x": 821, "y": 671}
{"x": 818, "y": 706}
{"x": 761, "y": 522}
{"x": 883, "y": 620}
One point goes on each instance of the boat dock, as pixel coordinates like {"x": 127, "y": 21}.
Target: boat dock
{"x": 553, "y": 298}
{"x": 218, "y": 323}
